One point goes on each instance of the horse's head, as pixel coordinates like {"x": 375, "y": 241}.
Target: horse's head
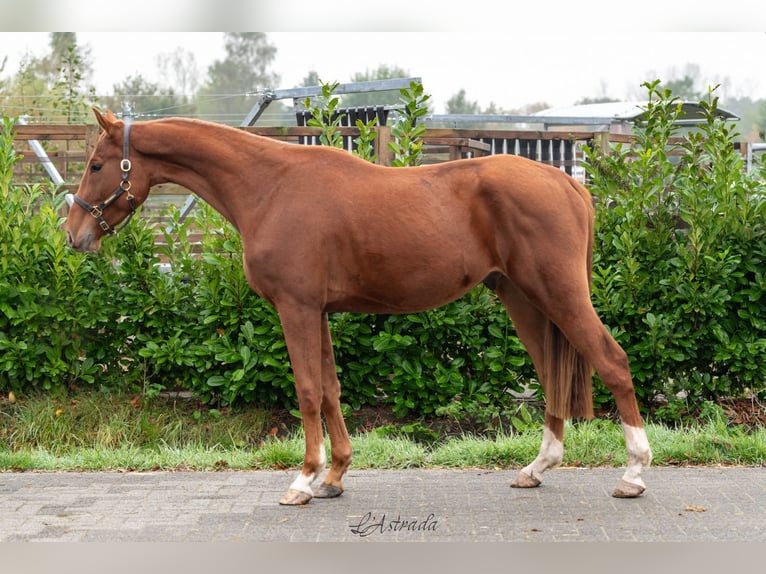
{"x": 110, "y": 190}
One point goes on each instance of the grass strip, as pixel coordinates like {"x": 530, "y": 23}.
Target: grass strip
{"x": 98, "y": 433}
{"x": 592, "y": 444}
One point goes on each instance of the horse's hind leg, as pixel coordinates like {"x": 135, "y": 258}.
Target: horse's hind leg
{"x": 550, "y": 456}
{"x": 332, "y": 485}
{"x": 611, "y": 363}
{"x": 530, "y": 325}
{"x": 583, "y": 328}
{"x": 575, "y": 316}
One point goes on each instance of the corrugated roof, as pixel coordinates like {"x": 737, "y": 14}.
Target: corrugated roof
{"x": 629, "y": 112}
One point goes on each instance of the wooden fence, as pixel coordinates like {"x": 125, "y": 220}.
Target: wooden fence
{"x": 68, "y": 146}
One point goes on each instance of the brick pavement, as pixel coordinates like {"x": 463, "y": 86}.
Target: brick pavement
{"x": 680, "y": 504}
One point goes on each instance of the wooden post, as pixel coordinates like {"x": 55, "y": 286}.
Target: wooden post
{"x": 385, "y": 155}
{"x": 91, "y": 138}
{"x": 601, "y": 141}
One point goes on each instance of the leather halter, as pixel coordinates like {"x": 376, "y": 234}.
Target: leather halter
{"x": 123, "y": 187}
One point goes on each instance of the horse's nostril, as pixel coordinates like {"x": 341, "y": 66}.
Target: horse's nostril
{"x": 69, "y": 239}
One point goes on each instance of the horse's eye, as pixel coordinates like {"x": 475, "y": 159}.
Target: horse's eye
{"x": 95, "y": 167}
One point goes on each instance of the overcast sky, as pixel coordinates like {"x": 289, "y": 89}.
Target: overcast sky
{"x": 512, "y": 60}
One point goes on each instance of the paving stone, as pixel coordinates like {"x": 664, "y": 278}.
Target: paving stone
{"x": 680, "y": 505}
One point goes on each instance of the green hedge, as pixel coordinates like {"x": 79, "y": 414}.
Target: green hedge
{"x": 117, "y": 320}
{"x": 679, "y": 256}
{"x": 678, "y": 277}
{"x": 202, "y": 328}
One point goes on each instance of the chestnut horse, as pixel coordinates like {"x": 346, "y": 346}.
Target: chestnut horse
{"x": 324, "y": 231}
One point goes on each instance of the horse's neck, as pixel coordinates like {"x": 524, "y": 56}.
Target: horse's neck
{"x": 205, "y": 158}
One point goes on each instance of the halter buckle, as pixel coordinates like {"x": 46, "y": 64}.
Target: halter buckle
{"x": 125, "y": 165}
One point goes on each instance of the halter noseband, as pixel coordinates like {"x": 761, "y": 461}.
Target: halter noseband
{"x": 124, "y": 187}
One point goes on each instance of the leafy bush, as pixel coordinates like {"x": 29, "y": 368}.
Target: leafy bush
{"x": 678, "y": 276}
{"x": 51, "y": 317}
{"x": 679, "y": 255}
{"x": 117, "y": 319}
{"x": 406, "y": 144}
{"x": 234, "y": 350}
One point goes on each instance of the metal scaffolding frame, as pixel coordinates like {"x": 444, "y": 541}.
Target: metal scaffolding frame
{"x": 299, "y": 94}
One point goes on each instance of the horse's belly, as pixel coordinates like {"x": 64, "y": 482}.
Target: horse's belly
{"x": 407, "y": 293}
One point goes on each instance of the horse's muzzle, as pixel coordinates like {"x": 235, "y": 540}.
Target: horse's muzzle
{"x": 84, "y": 244}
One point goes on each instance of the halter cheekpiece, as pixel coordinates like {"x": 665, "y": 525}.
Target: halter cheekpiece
{"x": 123, "y": 187}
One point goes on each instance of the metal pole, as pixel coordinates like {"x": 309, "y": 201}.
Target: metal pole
{"x": 53, "y": 173}
{"x": 752, "y": 147}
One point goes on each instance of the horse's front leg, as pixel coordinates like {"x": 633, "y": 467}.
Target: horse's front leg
{"x": 332, "y": 485}
{"x": 303, "y": 334}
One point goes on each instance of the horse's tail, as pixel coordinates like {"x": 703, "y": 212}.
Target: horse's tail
{"x": 569, "y": 377}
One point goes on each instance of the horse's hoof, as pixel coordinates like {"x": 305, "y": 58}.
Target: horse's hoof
{"x": 327, "y": 490}
{"x": 627, "y": 489}
{"x": 295, "y": 498}
{"x": 523, "y": 480}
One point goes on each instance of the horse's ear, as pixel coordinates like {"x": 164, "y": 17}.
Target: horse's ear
{"x": 105, "y": 120}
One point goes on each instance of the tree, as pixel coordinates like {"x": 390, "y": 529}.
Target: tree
{"x": 458, "y": 104}
{"x": 752, "y": 114}
{"x": 146, "y": 97}
{"x": 311, "y": 79}
{"x": 493, "y": 109}
{"x": 685, "y": 88}
{"x": 180, "y": 70}
{"x": 72, "y": 96}
{"x": 598, "y": 100}
{"x": 382, "y": 72}
{"x": 64, "y": 51}
{"x": 175, "y": 96}
{"x": 52, "y": 87}
{"x": 227, "y": 94}
{"x": 533, "y": 108}
{"x": 25, "y": 93}
{"x": 686, "y": 83}
{"x": 760, "y": 120}
{"x": 181, "y": 73}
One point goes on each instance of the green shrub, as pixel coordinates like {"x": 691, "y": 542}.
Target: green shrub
{"x": 226, "y": 343}
{"x": 51, "y": 317}
{"x": 678, "y": 277}
{"x": 679, "y": 255}
{"x": 405, "y": 143}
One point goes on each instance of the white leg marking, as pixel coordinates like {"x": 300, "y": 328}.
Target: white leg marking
{"x": 639, "y": 453}
{"x": 303, "y": 482}
{"x": 551, "y": 454}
